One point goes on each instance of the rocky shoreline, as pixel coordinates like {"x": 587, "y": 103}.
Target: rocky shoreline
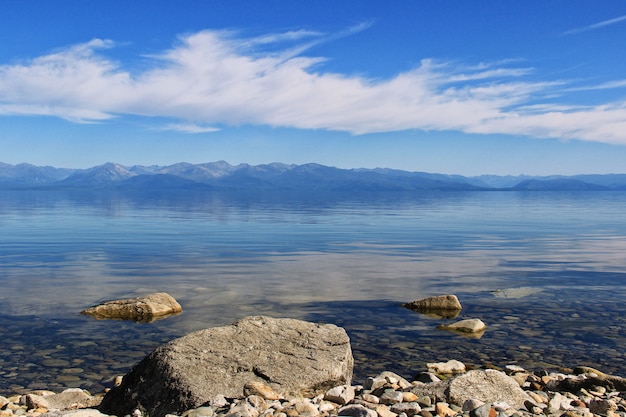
{"x": 509, "y": 392}
{"x": 261, "y": 366}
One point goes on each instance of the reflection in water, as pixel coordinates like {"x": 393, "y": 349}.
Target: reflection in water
{"x": 516, "y": 292}
{"x": 532, "y": 266}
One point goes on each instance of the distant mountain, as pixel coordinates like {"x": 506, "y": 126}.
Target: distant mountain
{"x": 159, "y": 182}
{"x": 312, "y": 177}
{"x": 558, "y": 184}
{"x": 27, "y": 174}
{"x": 106, "y": 174}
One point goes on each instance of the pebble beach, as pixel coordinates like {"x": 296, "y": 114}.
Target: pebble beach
{"x": 583, "y": 392}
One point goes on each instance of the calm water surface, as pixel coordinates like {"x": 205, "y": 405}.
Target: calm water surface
{"x": 545, "y": 271}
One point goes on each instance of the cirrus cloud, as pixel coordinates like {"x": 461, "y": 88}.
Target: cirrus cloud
{"x": 217, "y": 78}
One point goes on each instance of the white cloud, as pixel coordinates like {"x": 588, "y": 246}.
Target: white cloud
{"x": 214, "y": 77}
{"x": 604, "y": 86}
{"x": 598, "y": 25}
{"x": 190, "y": 128}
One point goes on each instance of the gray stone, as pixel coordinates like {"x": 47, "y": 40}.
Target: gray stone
{"x": 442, "y": 305}
{"x": 391, "y": 397}
{"x": 601, "y": 406}
{"x": 424, "y": 401}
{"x": 35, "y": 401}
{"x": 410, "y": 409}
{"x": 200, "y": 412}
{"x": 394, "y": 378}
{"x": 370, "y": 398}
{"x": 356, "y": 410}
{"x": 85, "y": 412}
{"x": 488, "y": 386}
{"x": 71, "y": 398}
{"x": 433, "y": 391}
{"x": 591, "y": 380}
{"x": 292, "y": 357}
{"x": 342, "y": 394}
{"x": 243, "y": 410}
{"x": 306, "y": 408}
{"x": 450, "y": 367}
{"x": 559, "y": 402}
{"x": 481, "y": 411}
{"x": 144, "y": 309}
{"x": 472, "y": 404}
{"x": 375, "y": 383}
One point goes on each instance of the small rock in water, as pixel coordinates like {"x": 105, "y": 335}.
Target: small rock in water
{"x": 514, "y": 368}
{"x": 446, "y": 306}
{"x": 465, "y": 326}
{"x": 144, "y": 309}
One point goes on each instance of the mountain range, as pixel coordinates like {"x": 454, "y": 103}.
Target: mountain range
{"x": 283, "y": 177}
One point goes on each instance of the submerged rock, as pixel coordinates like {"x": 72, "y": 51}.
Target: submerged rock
{"x": 465, "y": 326}
{"x": 446, "y": 306}
{"x": 292, "y": 357}
{"x": 145, "y": 309}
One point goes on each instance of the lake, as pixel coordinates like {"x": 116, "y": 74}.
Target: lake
{"x": 546, "y": 271}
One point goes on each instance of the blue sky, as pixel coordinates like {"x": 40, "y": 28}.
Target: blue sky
{"x": 457, "y": 87}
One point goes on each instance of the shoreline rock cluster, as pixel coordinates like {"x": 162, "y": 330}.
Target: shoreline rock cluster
{"x": 512, "y": 392}
{"x": 268, "y": 367}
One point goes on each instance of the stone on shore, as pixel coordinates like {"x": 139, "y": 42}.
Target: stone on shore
{"x": 391, "y": 396}
{"x": 144, "y": 309}
{"x": 447, "y": 306}
{"x": 71, "y": 398}
{"x": 292, "y": 357}
{"x": 488, "y": 386}
{"x": 465, "y": 326}
{"x": 483, "y": 385}
{"x": 342, "y": 394}
{"x": 449, "y": 367}
{"x": 84, "y": 412}
{"x": 592, "y": 379}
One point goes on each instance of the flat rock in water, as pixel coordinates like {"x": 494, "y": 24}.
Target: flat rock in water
{"x": 447, "y": 306}
{"x": 145, "y": 309}
{"x": 465, "y": 326}
{"x": 292, "y": 357}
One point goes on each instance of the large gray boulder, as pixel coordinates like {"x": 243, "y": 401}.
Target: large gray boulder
{"x": 292, "y": 357}
{"x": 144, "y": 309}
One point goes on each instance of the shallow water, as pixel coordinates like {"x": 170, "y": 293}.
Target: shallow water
{"x": 545, "y": 271}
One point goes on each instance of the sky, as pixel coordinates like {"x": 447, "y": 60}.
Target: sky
{"x": 535, "y": 87}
